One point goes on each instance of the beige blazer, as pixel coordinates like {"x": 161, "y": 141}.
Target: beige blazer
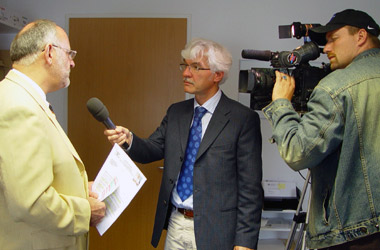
{"x": 43, "y": 183}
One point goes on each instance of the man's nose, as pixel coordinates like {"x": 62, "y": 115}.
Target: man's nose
{"x": 187, "y": 71}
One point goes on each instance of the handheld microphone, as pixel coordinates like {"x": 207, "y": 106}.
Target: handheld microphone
{"x": 100, "y": 113}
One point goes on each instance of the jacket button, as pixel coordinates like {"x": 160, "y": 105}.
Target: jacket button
{"x": 165, "y": 202}
{"x": 363, "y": 229}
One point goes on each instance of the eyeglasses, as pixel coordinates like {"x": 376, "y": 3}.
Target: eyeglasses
{"x": 71, "y": 53}
{"x": 193, "y": 67}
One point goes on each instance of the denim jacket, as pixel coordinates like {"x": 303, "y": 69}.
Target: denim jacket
{"x": 338, "y": 139}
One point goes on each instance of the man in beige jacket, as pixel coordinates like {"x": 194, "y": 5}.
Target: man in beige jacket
{"x": 45, "y": 202}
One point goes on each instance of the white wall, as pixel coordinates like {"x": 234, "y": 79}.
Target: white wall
{"x": 237, "y": 24}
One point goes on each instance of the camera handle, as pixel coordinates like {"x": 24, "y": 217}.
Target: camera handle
{"x": 300, "y": 218}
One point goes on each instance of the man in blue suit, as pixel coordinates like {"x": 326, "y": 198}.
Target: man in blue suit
{"x": 223, "y": 207}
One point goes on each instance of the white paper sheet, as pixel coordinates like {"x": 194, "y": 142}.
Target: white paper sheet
{"x": 117, "y": 183}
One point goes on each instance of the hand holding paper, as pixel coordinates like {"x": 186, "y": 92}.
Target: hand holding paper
{"x": 117, "y": 183}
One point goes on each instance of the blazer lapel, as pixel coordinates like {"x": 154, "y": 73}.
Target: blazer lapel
{"x": 185, "y": 119}
{"x": 14, "y": 77}
{"x": 217, "y": 123}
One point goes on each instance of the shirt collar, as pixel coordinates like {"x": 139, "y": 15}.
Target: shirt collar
{"x": 33, "y": 84}
{"x": 211, "y": 103}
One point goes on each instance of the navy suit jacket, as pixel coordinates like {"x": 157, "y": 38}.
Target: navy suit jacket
{"x": 228, "y": 195}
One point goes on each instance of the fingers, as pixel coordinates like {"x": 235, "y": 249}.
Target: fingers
{"x": 117, "y": 130}
{"x": 278, "y": 75}
{"x": 284, "y": 87}
{"x": 90, "y": 192}
{"x": 98, "y": 211}
{"x": 93, "y": 194}
{"x": 118, "y": 135}
{"x": 242, "y": 248}
{"x": 282, "y": 77}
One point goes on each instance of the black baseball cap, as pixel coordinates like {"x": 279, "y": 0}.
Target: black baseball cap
{"x": 350, "y": 17}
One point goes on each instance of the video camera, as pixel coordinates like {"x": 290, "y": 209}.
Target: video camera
{"x": 260, "y": 81}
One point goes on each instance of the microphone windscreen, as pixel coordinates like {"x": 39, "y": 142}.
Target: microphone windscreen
{"x": 262, "y": 55}
{"x": 97, "y": 109}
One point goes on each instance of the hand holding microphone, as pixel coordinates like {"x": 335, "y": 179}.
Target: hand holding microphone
{"x": 119, "y": 135}
{"x": 115, "y": 134}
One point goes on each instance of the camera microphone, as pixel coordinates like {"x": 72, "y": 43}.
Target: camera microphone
{"x": 285, "y": 59}
{"x": 262, "y": 55}
{"x": 100, "y": 113}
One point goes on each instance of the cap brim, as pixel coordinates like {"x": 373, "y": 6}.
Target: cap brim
{"x": 318, "y": 34}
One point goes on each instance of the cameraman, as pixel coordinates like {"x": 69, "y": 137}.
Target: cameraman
{"x": 338, "y": 139}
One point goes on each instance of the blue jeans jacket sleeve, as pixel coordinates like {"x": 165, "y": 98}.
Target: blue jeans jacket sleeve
{"x": 303, "y": 143}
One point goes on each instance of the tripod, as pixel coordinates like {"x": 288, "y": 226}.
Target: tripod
{"x": 300, "y": 218}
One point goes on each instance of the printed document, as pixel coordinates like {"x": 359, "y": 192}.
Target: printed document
{"x": 117, "y": 183}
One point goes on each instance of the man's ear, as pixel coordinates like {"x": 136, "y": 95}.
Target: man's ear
{"x": 48, "y": 54}
{"x": 362, "y": 37}
{"x": 218, "y": 76}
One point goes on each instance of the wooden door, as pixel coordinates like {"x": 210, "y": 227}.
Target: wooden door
{"x": 131, "y": 65}
{"x": 5, "y": 63}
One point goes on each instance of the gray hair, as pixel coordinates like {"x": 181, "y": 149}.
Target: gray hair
{"x": 219, "y": 58}
{"x": 31, "y": 40}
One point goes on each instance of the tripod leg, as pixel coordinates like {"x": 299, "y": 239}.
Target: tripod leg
{"x": 294, "y": 223}
{"x": 306, "y": 221}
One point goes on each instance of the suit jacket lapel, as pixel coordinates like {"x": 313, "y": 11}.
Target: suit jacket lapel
{"x": 14, "y": 77}
{"x": 184, "y": 124}
{"x": 217, "y": 123}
